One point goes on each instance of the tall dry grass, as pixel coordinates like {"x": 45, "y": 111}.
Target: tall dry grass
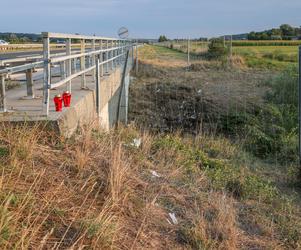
{"x": 59, "y": 194}
{"x": 98, "y": 190}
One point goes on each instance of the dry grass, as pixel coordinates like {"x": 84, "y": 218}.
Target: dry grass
{"x": 98, "y": 191}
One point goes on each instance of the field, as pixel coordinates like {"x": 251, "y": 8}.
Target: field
{"x": 268, "y": 56}
{"x": 273, "y": 55}
{"x": 266, "y": 43}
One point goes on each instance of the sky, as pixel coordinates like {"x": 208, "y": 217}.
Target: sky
{"x": 148, "y": 18}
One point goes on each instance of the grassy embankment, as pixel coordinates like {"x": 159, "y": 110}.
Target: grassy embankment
{"x": 98, "y": 190}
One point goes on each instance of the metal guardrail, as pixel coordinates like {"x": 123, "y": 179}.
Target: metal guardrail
{"x": 109, "y": 51}
{"x": 10, "y": 47}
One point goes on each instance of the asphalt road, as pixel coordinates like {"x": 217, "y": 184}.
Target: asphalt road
{"x": 20, "y": 54}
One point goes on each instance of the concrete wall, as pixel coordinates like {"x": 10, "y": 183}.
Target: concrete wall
{"x": 84, "y": 111}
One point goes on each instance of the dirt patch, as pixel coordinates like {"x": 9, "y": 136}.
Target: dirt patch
{"x": 168, "y": 98}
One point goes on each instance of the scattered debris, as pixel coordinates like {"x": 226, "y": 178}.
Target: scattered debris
{"x": 136, "y": 142}
{"x": 173, "y": 218}
{"x": 155, "y": 174}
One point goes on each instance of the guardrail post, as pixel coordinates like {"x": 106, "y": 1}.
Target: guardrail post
{"x": 93, "y": 59}
{"x": 2, "y": 94}
{"x": 29, "y": 83}
{"x": 111, "y": 53}
{"x": 68, "y": 63}
{"x": 62, "y": 70}
{"x": 83, "y": 64}
{"x": 97, "y": 78}
{"x": 107, "y": 57}
{"x": 46, "y": 74}
{"x": 101, "y": 58}
{"x": 120, "y": 51}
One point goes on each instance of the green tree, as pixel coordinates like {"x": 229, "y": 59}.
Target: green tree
{"x": 287, "y": 30}
{"x": 162, "y": 38}
{"x": 252, "y": 36}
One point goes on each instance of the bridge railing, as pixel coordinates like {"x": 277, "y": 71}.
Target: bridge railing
{"x": 71, "y": 64}
{"x": 34, "y": 46}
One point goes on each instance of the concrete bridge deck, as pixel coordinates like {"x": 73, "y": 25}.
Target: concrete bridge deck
{"x": 83, "y": 104}
{"x": 95, "y": 94}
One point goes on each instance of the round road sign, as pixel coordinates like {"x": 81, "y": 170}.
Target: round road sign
{"x": 123, "y": 33}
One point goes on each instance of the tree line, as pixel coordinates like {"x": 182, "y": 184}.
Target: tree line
{"x": 284, "y": 32}
{"x": 17, "y": 38}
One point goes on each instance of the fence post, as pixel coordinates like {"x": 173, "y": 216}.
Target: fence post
{"x": 121, "y": 89}
{"x": 231, "y": 46}
{"x": 68, "y": 63}
{"x": 83, "y": 63}
{"x": 46, "y": 74}
{"x": 2, "y": 93}
{"x": 137, "y": 61}
{"x": 188, "y": 52}
{"x": 300, "y": 112}
{"x": 132, "y": 48}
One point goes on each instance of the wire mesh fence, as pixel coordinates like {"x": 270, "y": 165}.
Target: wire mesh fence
{"x": 249, "y": 100}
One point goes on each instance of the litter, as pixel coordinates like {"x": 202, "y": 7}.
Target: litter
{"x": 173, "y": 218}
{"x": 155, "y": 174}
{"x": 136, "y": 143}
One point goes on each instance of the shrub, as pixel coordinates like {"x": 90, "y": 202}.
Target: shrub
{"x": 273, "y": 131}
{"x": 217, "y": 49}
